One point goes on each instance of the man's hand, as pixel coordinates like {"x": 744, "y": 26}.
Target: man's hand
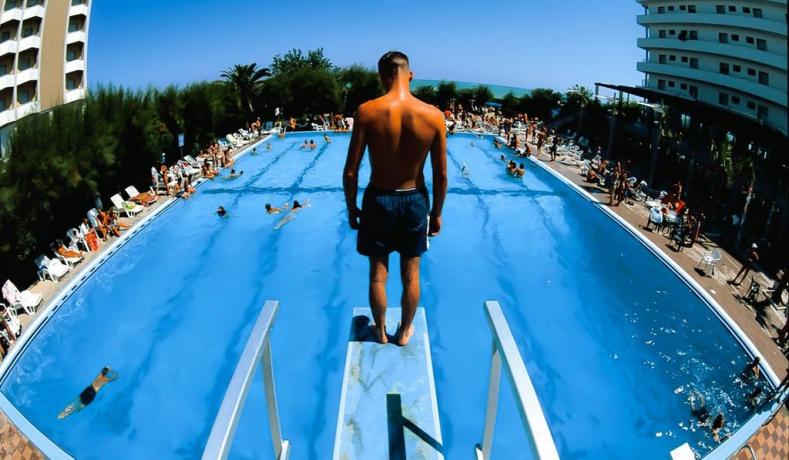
{"x": 435, "y": 226}
{"x": 354, "y": 214}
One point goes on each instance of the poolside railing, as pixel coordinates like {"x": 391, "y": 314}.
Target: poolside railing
{"x": 256, "y": 351}
{"x": 505, "y": 351}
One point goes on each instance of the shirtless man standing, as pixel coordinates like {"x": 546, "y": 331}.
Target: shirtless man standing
{"x": 399, "y": 130}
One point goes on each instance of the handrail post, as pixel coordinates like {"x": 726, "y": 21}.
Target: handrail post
{"x": 494, "y": 384}
{"x": 271, "y": 402}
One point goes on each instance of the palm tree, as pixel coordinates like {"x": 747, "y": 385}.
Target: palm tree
{"x": 246, "y": 80}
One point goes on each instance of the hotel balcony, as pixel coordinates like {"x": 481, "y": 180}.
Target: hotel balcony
{"x": 36, "y": 11}
{"x": 33, "y": 41}
{"x": 721, "y": 49}
{"x": 75, "y": 65}
{"x": 7, "y": 81}
{"x": 14, "y": 14}
{"x": 24, "y": 76}
{"x": 77, "y": 10}
{"x": 74, "y": 95}
{"x": 712, "y": 78}
{"x": 75, "y": 37}
{"x": 738, "y": 22}
{"x": 7, "y": 116}
{"x": 27, "y": 108}
{"x": 9, "y": 47}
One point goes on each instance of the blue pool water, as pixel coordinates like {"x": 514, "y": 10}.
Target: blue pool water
{"x": 614, "y": 341}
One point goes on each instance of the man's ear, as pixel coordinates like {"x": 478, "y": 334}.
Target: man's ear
{"x": 410, "y": 76}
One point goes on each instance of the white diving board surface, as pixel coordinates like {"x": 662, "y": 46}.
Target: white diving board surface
{"x": 388, "y": 407}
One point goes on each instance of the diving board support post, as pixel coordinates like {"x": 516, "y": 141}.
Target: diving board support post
{"x": 256, "y": 351}
{"x": 505, "y": 351}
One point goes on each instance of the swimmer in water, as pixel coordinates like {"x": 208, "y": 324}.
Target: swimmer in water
{"x": 234, "y": 174}
{"x": 87, "y": 396}
{"x": 701, "y": 413}
{"x": 464, "y": 170}
{"x": 254, "y": 151}
{"x": 717, "y": 426}
{"x": 752, "y": 370}
{"x": 220, "y": 211}
{"x": 305, "y": 145}
{"x": 268, "y": 147}
{"x": 752, "y": 400}
{"x": 272, "y": 210}
{"x": 327, "y": 139}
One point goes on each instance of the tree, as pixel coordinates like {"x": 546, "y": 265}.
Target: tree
{"x": 426, "y": 94}
{"x": 445, "y": 93}
{"x": 246, "y": 80}
{"x": 482, "y": 95}
{"x": 540, "y": 102}
{"x": 509, "y": 103}
{"x": 358, "y": 85}
{"x": 295, "y": 60}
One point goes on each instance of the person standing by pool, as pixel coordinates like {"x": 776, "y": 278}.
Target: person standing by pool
{"x": 87, "y": 395}
{"x": 753, "y": 257}
{"x": 399, "y": 131}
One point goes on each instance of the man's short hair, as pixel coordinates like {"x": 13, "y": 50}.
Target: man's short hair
{"x": 392, "y": 62}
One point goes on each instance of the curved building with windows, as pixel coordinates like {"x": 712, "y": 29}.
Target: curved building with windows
{"x": 43, "y": 52}
{"x": 731, "y": 54}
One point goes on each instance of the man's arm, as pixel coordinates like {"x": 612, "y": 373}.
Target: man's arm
{"x": 350, "y": 177}
{"x": 438, "y": 162}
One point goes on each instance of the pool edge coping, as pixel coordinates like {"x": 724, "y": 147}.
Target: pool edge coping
{"x": 47, "y": 446}
{"x": 737, "y": 440}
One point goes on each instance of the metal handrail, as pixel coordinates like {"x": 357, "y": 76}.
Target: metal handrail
{"x": 256, "y": 351}
{"x": 506, "y": 350}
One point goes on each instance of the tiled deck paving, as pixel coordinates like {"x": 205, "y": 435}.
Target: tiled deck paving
{"x": 770, "y": 443}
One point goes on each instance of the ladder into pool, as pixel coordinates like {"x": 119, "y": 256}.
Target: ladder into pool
{"x": 388, "y": 406}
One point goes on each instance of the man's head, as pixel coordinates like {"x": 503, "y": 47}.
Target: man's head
{"x": 392, "y": 66}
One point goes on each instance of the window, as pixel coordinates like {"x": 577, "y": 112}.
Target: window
{"x": 71, "y": 55}
{"x": 691, "y": 8}
{"x": 746, "y": 10}
{"x": 672, "y": 58}
{"x": 694, "y": 63}
{"x": 27, "y": 31}
{"x": 684, "y": 59}
{"x": 751, "y": 72}
{"x": 749, "y": 40}
{"x": 661, "y": 84}
{"x": 3, "y": 69}
{"x": 694, "y": 35}
{"x": 757, "y": 12}
{"x": 671, "y": 8}
{"x": 764, "y": 79}
{"x": 761, "y": 44}
{"x": 26, "y": 63}
{"x": 693, "y": 91}
{"x": 736, "y": 68}
{"x": 732, "y": 9}
{"x": 5, "y": 36}
{"x": 735, "y": 37}
{"x": 723, "y": 99}
{"x": 24, "y": 95}
{"x": 672, "y": 32}
{"x": 683, "y": 86}
{"x": 723, "y": 38}
{"x": 735, "y": 100}
{"x": 662, "y": 59}
{"x": 682, "y": 7}
{"x": 671, "y": 83}
{"x": 761, "y": 113}
{"x": 720, "y": 9}
{"x": 661, "y": 9}
{"x": 73, "y": 26}
{"x": 724, "y": 68}
{"x": 662, "y": 34}
{"x": 72, "y": 83}
{"x": 751, "y": 105}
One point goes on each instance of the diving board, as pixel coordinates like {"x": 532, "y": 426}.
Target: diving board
{"x": 388, "y": 407}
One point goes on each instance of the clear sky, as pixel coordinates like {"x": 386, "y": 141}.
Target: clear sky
{"x": 525, "y": 43}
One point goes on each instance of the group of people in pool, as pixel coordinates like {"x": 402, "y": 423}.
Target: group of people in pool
{"x": 309, "y": 144}
{"x": 514, "y": 169}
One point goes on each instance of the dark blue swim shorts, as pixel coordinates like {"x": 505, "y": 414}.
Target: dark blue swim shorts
{"x": 393, "y": 220}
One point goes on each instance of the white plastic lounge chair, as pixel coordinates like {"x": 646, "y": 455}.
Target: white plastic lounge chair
{"x": 76, "y": 239}
{"x": 25, "y": 299}
{"x": 9, "y": 315}
{"x": 53, "y": 269}
{"x": 193, "y": 162}
{"x": 129, "y": 208}
{"x": 70, "y": 261}
{"x": 135, "y": 195}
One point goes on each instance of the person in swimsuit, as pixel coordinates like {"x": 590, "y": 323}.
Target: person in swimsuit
{"x": 398, "y": 130}
{"x": 220, "y": 211}
{"x": 87, "y": 396}
{"x": 700, "y": 412}
{"x": 752, "y": 370}
{"x": 717, "y": 426}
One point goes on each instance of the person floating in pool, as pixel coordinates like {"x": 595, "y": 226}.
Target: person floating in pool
{"x": 234, "y": 174}
{"x": 87, "y": 396}
{"x": 398, "y": 130}
{"x": 268, "y": 147}
{"x": 717, "y": 426}
{"x": 220, "y": 211}
{"x": 272, "y": 210}
{"x": 751, "y": 371}
{"x": 497, "y": 144}
{"x": 754, "y": 397}
{"x": 699, "y": 410}
{"x": 326, "y": 139}
{"x": 305, "y": 145}
{"x": 254, "y": 151}
{"x": 464, "y": 170}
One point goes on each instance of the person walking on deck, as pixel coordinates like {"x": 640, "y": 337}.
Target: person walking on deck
{"x": 399, "y": 130}
{"x": 753, "y": 257}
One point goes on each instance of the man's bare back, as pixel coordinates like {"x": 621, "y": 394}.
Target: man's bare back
{"x": 399, "y": 130}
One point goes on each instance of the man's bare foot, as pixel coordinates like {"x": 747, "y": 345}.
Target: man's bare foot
{"x": 402, "y": 337}
{"x": 379, "y": 333}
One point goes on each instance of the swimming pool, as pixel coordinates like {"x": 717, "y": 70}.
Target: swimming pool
{"x": 613, "y": 340}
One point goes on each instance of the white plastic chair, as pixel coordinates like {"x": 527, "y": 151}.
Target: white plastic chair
{"x": 25, "y": 300}
{"x": 76, "y": 239}
{"x": 53, "y": 269}
{"x": 710, "y": 260}
{"x": 9, "y": 316}
{"x": 129, "y": 208}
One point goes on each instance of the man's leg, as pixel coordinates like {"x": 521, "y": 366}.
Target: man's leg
{"x": 409, "y": 274}
{"x": 379, "y": 270}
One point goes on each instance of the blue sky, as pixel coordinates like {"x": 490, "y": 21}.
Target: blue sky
{"x": 518, "y": 43}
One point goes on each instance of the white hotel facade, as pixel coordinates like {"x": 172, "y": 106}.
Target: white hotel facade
{"x": 729, "y": 54}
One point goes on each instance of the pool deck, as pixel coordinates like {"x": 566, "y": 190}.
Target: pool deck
{"x": 761, "y": 326}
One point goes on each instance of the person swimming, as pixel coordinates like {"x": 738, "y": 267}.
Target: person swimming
{"x": 234, "y": 174}
{"x": 305, "y": 145}
{"x": 220, "y": 211}
{"x": 752, "y": 370}
{"x": 717, "y": 426}
{"x": 701, "y": 413}
{"x": 254, "y": 151}
{"x": 752, "y": 400}
{"x": 269, "y": 147}
{"x": 327, "y": 139}
{"x": 464, "y": 170}
{"x": 87, "y": 395}
{"x": 313, "y": 145}
{"x": 272, "y": 210}
{"x": 297, "y": 205}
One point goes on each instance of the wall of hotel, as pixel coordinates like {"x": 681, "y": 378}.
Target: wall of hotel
{"x": 52, "y": 54}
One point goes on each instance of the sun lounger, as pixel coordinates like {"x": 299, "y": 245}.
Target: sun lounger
{"x": 129, "y": 208}
{"x": 9, "y": 316}
{"x": 25, "y": 300}
{"x": 76, "y": 239}
{"x": 53, "y": 269}
{"x": 70, "y": 261}
{"x": 141, "y": 198}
